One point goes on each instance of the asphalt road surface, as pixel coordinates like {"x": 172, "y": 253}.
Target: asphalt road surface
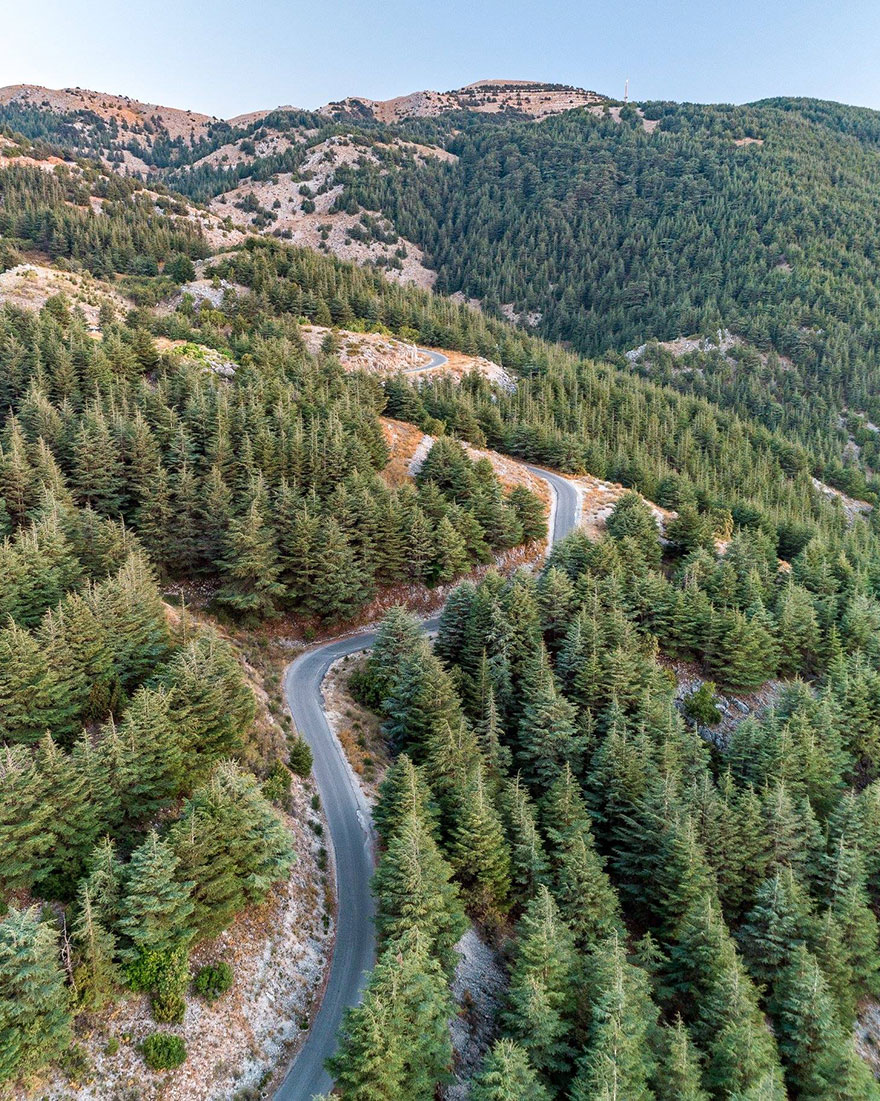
{"x": 351, "y": 830}
{"x": 435, "y": 359}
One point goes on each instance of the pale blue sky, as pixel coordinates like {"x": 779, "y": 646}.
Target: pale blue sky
{"x": 225, "y": 57}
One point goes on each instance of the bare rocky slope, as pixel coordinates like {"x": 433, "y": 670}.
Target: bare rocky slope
{"x": 153, "y": 121}
{"x": 525, "y": 97}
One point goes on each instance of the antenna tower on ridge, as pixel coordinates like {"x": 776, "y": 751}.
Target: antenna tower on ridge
{"x": 626, "y": 91}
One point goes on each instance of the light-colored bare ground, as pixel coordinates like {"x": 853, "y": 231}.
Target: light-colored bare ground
{"x": 202, "y": 291}
{"x": 850, "y": 505}
{"x": 217, "y": 232}
{"x": 11, "y": 153}
{"x": 478, "y": 987}
{"x": 734, "y": 706}
{"x": 598, "y": 499}
{"x": 471, "y": 303}
{"x": 722, "y": 341}
{"x": 461, "y": 364}
{"x": 232, "y": 153}
{"x": 530, "y": 318}
{"x": 30, "y": 286}
{"x": 373, "y": 352}
{"x": 484, "y": 96}
{"x": 320, "y": 229}
{"x": 129, "y": 114}
{"x": 409, "y": 448}
{"x": 386, "y": 355}
{"x": 356, "y": 727}
{"x": 867, "y": 1034}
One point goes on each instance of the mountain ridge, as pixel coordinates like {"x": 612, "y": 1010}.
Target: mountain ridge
{"x": 486, "y": 96}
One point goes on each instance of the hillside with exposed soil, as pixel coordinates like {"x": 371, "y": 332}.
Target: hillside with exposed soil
{"x": 521, "y": 97}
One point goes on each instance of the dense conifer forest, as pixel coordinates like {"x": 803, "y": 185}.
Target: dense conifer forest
{"x": 756, "y": 218}
{"x": 680, "y": 912}
{"x": 669, "y": 897}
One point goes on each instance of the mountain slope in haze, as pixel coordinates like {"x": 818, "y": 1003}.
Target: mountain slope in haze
{"x": 759, "y": 219}
{"x": 89, "y": 121}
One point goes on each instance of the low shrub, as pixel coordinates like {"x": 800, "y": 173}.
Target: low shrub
{"x": 163, "y": 1051}
{"x": 165, "y": 976}
{"x": 212, "y": 980}
{"x": 276, "y": 786}
{"x": 300, "y": 758}
{"x": 701, "y": 707}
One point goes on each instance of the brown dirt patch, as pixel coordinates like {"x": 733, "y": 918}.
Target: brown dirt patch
{"x": 356, "y": 727}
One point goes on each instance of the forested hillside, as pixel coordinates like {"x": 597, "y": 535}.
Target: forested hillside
{"x": 668, "y": 899}
{"x": 119, "y": 730}
{"x": 759, "y": 219}
{"x": 602, "y": 226}
{"x": 680, "y": 912}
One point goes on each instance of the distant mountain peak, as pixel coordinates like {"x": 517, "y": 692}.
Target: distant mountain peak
{"x": 532, "y": 98}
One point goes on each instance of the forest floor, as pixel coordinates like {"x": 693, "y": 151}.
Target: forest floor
{"x": 357, "y": 728}
{"x": 478, "y": 987}
{"x": 867, "y": 1031}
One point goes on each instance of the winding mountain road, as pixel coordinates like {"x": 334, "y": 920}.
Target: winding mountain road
{"x": 435, "y": 359}
{"x": 351, "y": 828}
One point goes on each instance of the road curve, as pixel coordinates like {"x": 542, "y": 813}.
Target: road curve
{"x": 435, "y": 359}
{"x": 351, "y": 830}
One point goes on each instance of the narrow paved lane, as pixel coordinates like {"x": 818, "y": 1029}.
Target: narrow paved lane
{"x": 435, "y": 359}
{"x": 351, "y": 830}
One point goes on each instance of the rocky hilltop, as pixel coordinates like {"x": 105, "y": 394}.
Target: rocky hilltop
{"x": 523, "y": 97}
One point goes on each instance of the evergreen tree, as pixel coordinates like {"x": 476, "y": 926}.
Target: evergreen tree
{"x": 27, "y": 835}
{"x": 399, "y": 637}
{"x": 541, "y": 996}
{"x": 403, "y": 792}
{"x": 679, "y": 1076}
{"x": 95, "y": 975}
{"x": 528, "y": 861}
{"x": 452, "y": 628}
{"x": 343, "y": 584}
{"x": 507, "y": 1076}
{"x": 477, "y": 846}
{"x": 547, "y": 738}
{"x": 820, "y": 1057}
{"x": 250, "y": 566}
{"x": 230, "y": 847}
{"x": 618, "y": 1060}
{"x": 631, "y": 518}
{"x": 413, "y": 888}
{"x": 395, "y": 1045}
{"x": 35, "y": 1023}
{"x": 209, "y": 700}
{"x": 779, "y": 922}
{"x": 155, "y": 909}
